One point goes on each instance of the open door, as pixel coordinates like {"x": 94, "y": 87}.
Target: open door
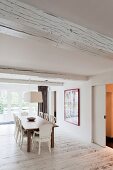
{"x": 99, "y": 112}
{"x": 109, "y": 114}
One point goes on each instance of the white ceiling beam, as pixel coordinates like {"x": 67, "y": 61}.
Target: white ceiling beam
{"x": 43, "y": 74}
{"x": 39, "y": 83}
{"x": 24, "y": 19}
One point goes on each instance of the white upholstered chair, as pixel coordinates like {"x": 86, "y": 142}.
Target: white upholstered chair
{"x": 19, "y": 132}
{"x": 22, "y": 133}
{"x": 44, "y": 135}
{"x": 17, "y": 128}
{"x": 16, "y": 121}
{"x": 52, "y": 119}
{"x": 46, "y": 116}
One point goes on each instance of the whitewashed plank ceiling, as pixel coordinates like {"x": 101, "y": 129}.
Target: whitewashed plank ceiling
{"x": 20, "y": 17}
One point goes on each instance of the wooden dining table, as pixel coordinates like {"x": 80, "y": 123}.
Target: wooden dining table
{"x": 31, "y": 126}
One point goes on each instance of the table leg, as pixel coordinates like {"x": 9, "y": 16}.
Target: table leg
{"x": 52, "y": 138}
{"x": 28, "y": 141}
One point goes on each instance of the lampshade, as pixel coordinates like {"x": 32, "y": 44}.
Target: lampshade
{"x": 33, "y": 97}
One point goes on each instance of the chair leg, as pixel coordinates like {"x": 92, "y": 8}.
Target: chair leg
{"x": 49, "y": 145}
{"x": 17, "y": 135}
{"x": 21, "y": 140}
{"x": 15, "y": 132}
{"x": 39, "y": 149}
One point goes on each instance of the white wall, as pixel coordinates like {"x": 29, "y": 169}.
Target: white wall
{"x": 18, "y": 87}
{"x": 84, "y": 131}
{"x": 102, "y": 79}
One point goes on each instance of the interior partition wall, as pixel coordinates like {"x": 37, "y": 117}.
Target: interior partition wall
{"x": 98, "y": 116}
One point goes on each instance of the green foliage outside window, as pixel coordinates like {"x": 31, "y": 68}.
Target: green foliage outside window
{"x": 3, "y": 101}
{"x": 12, "y": 102}
{"x": 1, "y": 108}
{"x": 14, "y": 99}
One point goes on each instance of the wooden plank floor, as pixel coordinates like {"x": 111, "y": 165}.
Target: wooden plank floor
{"x": 68, "y": 154}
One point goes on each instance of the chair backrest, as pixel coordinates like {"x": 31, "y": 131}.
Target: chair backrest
{"x": 20, "y": 125}
{"x": 16, "y": 120}
{"x": 24, "y": 113}
{"x": 41, "y": 114}
{"x": 46, "y": 116}
{"x": 45, "y": 131}
{"x": 52, "y": 119}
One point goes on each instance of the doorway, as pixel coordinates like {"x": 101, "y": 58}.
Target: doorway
{"x": 53, "y": 103}
{"x": 109, "y": 115}
{"x": 102, "y": 119}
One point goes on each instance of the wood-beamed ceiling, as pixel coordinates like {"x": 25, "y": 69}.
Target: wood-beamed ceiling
{"x": 20, "y": 17}
{"x": 22, "y": 20}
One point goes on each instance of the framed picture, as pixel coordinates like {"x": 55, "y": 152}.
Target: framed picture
{"x": 72, "y": 106}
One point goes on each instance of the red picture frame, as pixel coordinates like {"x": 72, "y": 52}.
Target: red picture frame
{"x": 72, "y": 106}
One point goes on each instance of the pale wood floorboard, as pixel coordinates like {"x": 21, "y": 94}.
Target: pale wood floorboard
{"x": 68, "y": 154}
